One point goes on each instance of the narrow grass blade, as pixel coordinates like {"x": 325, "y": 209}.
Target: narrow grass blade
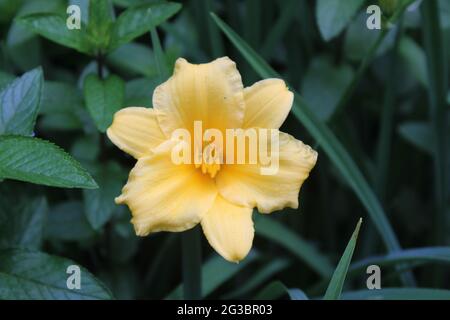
{"x": 430, "y": 255}
{"x": 337, "y": 281}
{"x": 160, "y": 58}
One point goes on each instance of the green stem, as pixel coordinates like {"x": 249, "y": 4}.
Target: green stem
{"x": 192, "y": 264}
{"x": 387, "y": 119}
{"x": 100, "y": 63}
{"x": 437, "y": 75}
{"x": 437, "y": 97}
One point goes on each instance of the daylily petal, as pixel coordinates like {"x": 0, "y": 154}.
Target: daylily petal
{"x": 229, "y": 229}
{"x": 163, "y": 196}
{"x": 210, "y": 92}
{"x": 267, "y": 104}
{"x": 244, "y": 185}
{"x": 136, "y": 131}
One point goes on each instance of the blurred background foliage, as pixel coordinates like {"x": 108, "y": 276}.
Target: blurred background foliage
{"x": 374, "y": 103}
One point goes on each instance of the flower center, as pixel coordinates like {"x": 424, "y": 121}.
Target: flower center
{"x": 210, "y": 160}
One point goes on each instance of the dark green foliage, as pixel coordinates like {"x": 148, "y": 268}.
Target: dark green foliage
{"x": 373, "y": 103}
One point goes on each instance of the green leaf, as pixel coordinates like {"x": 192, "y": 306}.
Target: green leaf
{"x": 413, "y": 256}
{"x": 324, "y": 84}
{"x": 100, "y": 24}
{"x": 160, "y": 59}
{"x": 99, "y": 204}
{"x": 5, "y": 80}
{"x": 275, "y": 231}
{"x": 337, "y": 281}
{"x": 138, "y": 20}
{"x": 103, "y": 98}
{"x": 415, "y": 59}
{"x": 17, "y": 34}
{"x": 67, "y": 222}
{"x": 19, "y": 104}
{"x": 22, "y": 222}
{"x": 333, "y": 16}
{"x": 326, "y": 139}
{"x": 215, "y": 272}
{"x": 419, "y": 134}
{"x": 8, "y": 9}
{"x": 398, "y": 294}
{"x": 53, "y": 27}
{"x": 41, "y": 162}
{"x": 134, "y": 58}
{"x": 33, "y": 275}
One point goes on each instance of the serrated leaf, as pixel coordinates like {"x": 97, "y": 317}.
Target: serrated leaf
{"x": 337, "y": 280}
{"x": 22, "y": 222}
{"x": 103, "y": 98}
{"x": 67, "y": 221}
{"x": 333, "y": 16}
{"x": 53, "y": 27}
{"x": 41, "y": 162}
{"x": 138, "y": 20}
{"x": 33, "y": 275}
{"x": 99, "y": 204}
{"x": 19, "y": 104}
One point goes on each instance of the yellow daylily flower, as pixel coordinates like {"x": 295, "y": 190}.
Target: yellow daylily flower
{"x": 164, "y": 196}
